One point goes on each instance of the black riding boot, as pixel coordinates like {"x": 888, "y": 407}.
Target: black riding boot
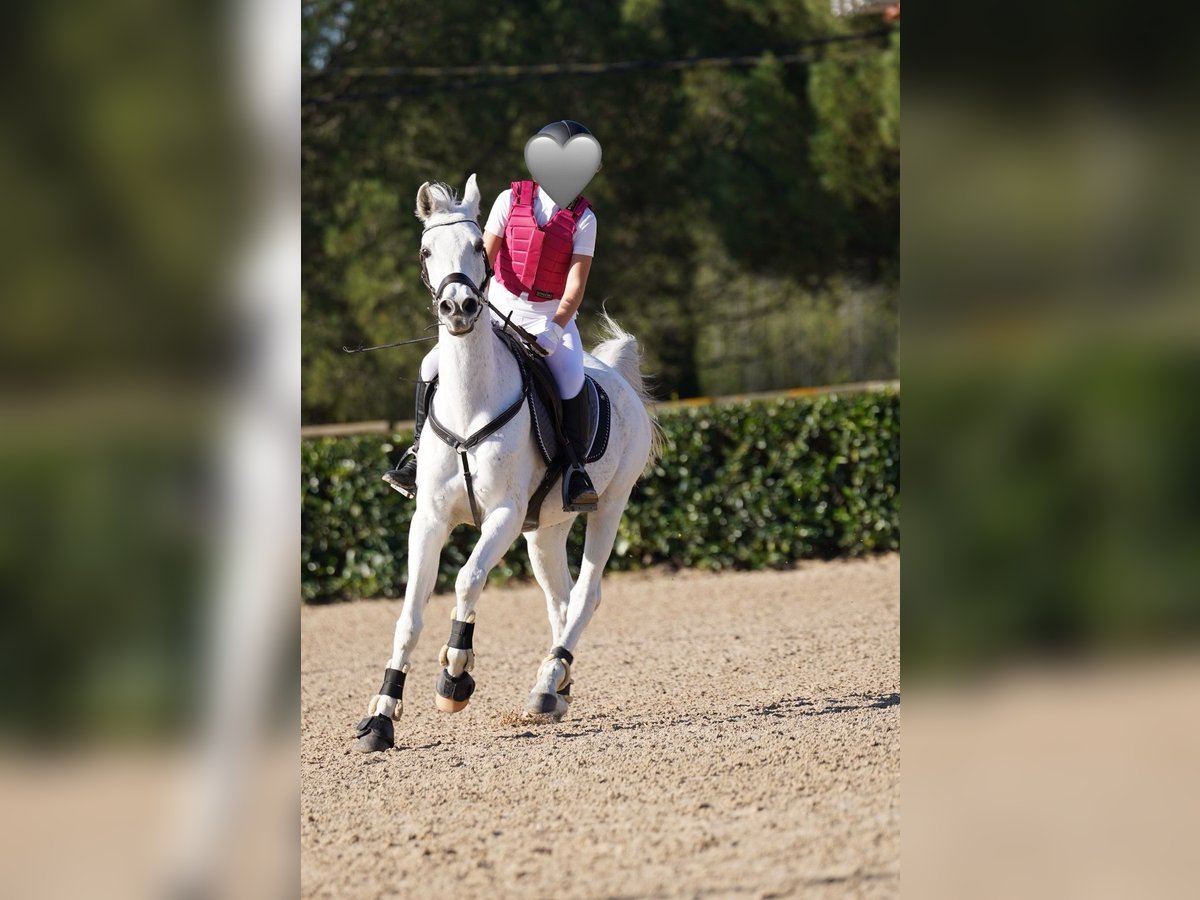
{"x": 403, "y": 478}
{"x": 579, "y": 495}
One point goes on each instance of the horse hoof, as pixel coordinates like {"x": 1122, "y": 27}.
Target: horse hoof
{"x": 546, "y": 705}
{"x": 453, "y": 694}
{"x": 450, "y": 705}
{"x": 375, "y": 734}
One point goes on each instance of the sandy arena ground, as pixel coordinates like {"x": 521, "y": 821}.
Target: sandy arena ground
{"x": 733, "y": 735}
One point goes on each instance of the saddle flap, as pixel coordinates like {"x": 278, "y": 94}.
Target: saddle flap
{"x": 546, "y": 408}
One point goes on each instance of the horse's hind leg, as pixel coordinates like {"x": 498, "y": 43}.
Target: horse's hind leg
{"x": 426, "y": 535}
{"x": 552, "y": 689}
{"x": 548, "y": 558}
{"x": 498, "y": 531}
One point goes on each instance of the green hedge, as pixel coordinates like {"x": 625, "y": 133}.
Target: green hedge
{"x": 740, "y": 486}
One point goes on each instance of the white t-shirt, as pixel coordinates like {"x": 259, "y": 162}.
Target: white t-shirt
{"x": 584, "y": 243}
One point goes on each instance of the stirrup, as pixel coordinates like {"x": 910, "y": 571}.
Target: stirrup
{"x": 588, "y": 500}
{"x": 389, "y": 477}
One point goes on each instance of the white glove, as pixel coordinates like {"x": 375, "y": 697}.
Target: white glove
{"x": 549, "y": 339}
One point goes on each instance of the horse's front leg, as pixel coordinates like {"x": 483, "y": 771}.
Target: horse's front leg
{"x": 455, "y": 684}
{"x": 426, "y": 535}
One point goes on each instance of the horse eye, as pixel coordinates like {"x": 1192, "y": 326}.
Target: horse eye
{"x": 425, "y": 252}
{"x": 479, "y": 246}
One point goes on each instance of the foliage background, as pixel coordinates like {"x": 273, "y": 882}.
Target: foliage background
{"x": 740, "y": 486}
{"x": 748, "y": 214}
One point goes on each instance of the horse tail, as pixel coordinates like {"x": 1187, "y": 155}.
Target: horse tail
{"x": 619, "y": 350}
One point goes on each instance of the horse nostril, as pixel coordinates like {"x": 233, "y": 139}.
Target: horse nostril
{"x": 470, "y": 305}
{"x": 445, "y": 307}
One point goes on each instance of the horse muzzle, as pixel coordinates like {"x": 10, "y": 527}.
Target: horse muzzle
{"x": 459, "y": 316}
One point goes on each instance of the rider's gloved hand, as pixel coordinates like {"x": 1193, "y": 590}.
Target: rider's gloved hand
{"x": 549, "y": 339}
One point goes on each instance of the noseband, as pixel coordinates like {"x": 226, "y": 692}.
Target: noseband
{"x": 480, "y": 291}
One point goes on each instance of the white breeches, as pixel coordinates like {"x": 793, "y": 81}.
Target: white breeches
{"x": 566, "y": 362}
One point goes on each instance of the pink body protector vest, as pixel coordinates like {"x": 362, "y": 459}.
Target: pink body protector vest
{"x": 532, "y": 258}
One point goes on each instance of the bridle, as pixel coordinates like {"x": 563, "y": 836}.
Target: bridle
{"x": 479, "y": 291}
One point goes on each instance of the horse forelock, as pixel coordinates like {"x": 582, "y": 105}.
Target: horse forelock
{"x": 444, "y": 199}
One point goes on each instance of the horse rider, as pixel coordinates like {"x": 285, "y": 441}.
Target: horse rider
{"x": 543, "y": 293}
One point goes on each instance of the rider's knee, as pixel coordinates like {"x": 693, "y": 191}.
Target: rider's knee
{"x": 568, "y": 372}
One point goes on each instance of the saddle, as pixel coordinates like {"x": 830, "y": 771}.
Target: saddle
{"x": 545, "y": 414}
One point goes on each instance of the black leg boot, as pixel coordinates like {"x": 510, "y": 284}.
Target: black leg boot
{"x": 579, "y": 495}
{"x": 403, "y": 478}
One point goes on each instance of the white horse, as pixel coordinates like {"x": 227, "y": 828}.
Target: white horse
{"x": 479, "y": 381}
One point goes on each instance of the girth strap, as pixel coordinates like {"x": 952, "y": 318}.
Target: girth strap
{"x": 461, "y": 445}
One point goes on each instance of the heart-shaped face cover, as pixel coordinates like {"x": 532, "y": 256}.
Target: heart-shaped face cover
{"x": 563, "y": 170}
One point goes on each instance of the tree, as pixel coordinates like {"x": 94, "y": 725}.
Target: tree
{"x": 745, "y": 156}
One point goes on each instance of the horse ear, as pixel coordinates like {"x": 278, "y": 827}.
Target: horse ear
{"x": 424, "y": 202}
{"x": 471, "y": 198}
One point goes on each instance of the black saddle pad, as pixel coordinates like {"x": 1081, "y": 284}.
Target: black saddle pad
{"x": 545, "y": 405}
